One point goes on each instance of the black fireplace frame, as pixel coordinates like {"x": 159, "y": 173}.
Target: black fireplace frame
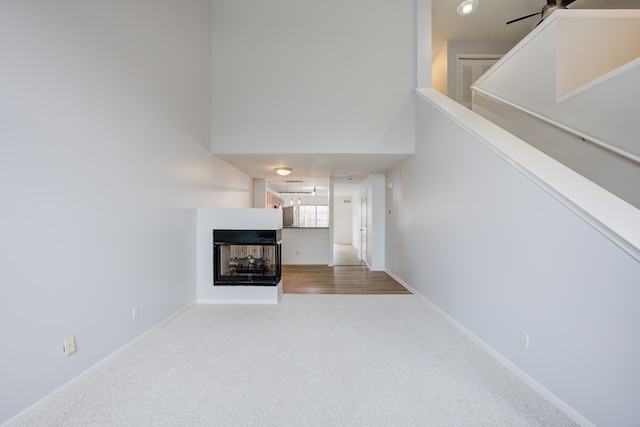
{"x": 225, "y": 237}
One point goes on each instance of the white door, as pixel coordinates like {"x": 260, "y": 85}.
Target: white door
{"x": 470, "y": 70}
{"x": 364, "y": 226}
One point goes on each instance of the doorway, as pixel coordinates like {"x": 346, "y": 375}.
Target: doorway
{"x": 364, "y": 225}
{"x": 469, "y": 69}
{"x": 345, "y": 252}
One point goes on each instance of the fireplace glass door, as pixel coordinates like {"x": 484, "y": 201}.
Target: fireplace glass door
{"x": 242, "y": 259}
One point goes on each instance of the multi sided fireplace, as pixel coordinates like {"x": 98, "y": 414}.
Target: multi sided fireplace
{"x": 247, "y": 257}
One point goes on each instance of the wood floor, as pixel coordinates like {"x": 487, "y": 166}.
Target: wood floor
{"x": 322, "y": 279}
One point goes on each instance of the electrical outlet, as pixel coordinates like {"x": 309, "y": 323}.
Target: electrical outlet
{"x": 135, "y": 311}
{"x": 424, "y": 280}
{"x": 69, "y": 345}
{"x": 524, "y": 340}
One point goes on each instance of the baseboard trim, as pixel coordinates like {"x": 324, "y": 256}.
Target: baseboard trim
{"x": 23, "y": 416}
{"x": 539, "y": 388}
{"x": 237, "y": 301}
{"x": 257, "y": 295}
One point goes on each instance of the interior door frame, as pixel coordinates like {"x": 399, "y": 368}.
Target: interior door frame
{"x": 472, "y": 56}
{"x": 364, "y": 226}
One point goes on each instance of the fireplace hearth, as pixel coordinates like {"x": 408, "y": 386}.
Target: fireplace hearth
{"x": 247, "y": 257}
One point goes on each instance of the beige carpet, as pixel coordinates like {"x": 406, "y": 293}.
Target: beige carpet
{"x": 312, "y": 360}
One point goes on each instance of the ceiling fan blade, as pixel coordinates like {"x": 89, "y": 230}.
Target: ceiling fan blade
{"x": 523, "y": 17}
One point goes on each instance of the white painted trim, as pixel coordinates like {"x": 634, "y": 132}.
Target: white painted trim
{"x": 613, "y": 217}
{"x": 597, "y": 81}
{"x": 269, "y": 300}
{"x": 539, "y": 388}
{"x": 563, "y": 14}
{"x": 459, "y": 72}
{"x": 585, "y": 137}
{"x": 237, "y": 301}
{"x": 399, "y": 280}
{"x": 332, "y": 213}
{"x": 32, "y": 410}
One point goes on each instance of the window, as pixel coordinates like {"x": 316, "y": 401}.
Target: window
{"x": 313, "y": 216}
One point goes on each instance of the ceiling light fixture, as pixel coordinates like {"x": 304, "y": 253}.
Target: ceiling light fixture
{"x": 282, "y": 171}
{"x": 467, "y": 7}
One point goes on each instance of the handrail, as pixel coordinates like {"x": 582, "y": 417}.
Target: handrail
{"x": 613, "y": 217}
{"x": 585, "y": 137}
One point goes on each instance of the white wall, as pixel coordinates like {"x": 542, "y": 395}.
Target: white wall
{"x": 502, "y": 256}
{"x": 313, "y": 77}
{"x": 104, "y": 120}
{"x": 353, "y": 191}
{"x": 605, "y": 38}
{"x": 259, "y": 193}
{"x": 593, "y": 129}
{"x": 231, "y": 219}
{"x": 455, "y": 48}
{"x": 617, "y": 174}
{"x": 356, "y": 221}
{"x": 343, "y": 220}
{"x": 374, "y": 185}
{"x": 439, "y": 71}
{"x": 305, "y": 246}
{"x": 602, "y": 111}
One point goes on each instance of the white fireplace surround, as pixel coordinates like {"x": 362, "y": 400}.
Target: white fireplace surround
{"x": 232, "y": 219}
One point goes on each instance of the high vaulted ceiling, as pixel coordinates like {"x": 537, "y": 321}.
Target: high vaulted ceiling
{"x": 487, "y": 23}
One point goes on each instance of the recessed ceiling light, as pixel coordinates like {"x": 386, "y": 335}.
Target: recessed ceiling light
{"x": 467, "y": 6}
{"x": 283, "y": 171}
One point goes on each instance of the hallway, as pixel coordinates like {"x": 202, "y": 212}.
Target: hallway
{"x": 344, "y": 254}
